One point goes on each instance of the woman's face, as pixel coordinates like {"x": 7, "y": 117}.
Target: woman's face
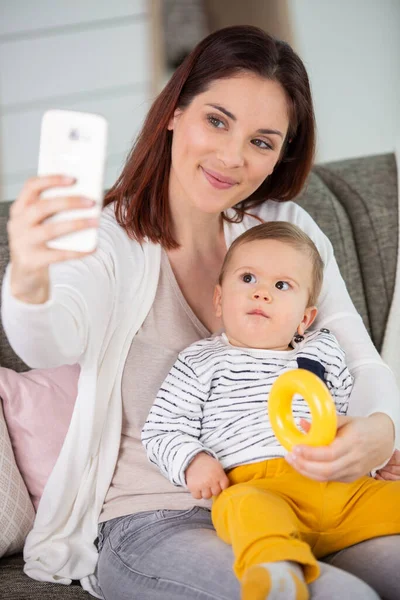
{"x": 226, "y": 142}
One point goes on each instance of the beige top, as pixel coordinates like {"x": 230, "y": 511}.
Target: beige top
{"x": 170, "y": 326}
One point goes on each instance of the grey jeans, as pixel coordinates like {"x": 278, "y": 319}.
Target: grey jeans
{"x": 173, "y": 555}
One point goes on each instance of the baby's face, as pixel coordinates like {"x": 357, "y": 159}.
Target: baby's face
{"x": 264, "y": 295}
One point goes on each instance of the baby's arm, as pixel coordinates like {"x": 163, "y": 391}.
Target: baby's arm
{"x": 171, "y": 434}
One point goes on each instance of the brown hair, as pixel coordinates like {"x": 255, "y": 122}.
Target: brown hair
{"x": 290, "y": 234}
{"x": 141, "y": 191}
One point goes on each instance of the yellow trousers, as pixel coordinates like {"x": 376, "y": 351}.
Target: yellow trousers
{"x": 271, "y": 513}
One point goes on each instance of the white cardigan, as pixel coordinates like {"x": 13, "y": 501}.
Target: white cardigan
{"x": 96, "y": 307}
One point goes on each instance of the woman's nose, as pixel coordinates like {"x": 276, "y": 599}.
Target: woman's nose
{"x": 262, "y": 295}
{"x": 231, "y": 153}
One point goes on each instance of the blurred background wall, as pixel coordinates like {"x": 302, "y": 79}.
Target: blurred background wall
{"x": 113, "y": 57}
{"x": 89, "y": 55}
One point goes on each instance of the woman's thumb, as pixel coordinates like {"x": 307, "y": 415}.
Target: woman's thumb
{"x": 342, "y": 420}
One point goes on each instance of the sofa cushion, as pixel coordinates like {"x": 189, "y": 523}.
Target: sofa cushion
{"x": 16, "y": 510}
{"x": 8, "y": 358}
{"x": 38, "y": 406}
{"x": 367, "y": 190}
{"x": 15, "y": 585}
{"x": 327, "y": 210}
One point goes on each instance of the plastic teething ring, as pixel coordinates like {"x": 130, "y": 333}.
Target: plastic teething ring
{"x": 317, "y": 396}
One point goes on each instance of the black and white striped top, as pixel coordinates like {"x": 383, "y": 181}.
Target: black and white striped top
{"x": 214, "y": 399}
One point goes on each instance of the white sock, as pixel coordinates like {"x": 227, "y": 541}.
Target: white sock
{"x": 282, "y": 585}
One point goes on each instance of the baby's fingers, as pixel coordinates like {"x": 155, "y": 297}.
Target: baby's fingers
{"x": 224, "y": 482}
{"x": 206, "y": 493}
{"x": 196, "y": 493}
{"x": 216, "y": 489}
{"x": 220, "y": 485}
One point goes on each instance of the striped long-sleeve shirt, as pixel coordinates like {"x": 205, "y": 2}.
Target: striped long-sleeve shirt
{"x": 214, "y": 400}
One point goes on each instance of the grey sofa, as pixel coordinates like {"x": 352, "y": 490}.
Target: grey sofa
{"x": 355, "y": 203}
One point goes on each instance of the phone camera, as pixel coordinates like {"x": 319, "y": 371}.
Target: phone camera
{"x": 74, "y": 134}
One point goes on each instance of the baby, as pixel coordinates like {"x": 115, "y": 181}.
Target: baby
{"x": 209, "y": 431}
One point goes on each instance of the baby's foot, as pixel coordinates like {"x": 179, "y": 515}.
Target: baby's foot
{"x": 273, "y": 581}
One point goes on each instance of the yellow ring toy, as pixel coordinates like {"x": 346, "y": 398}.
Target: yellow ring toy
{"x": 317, "y": 396}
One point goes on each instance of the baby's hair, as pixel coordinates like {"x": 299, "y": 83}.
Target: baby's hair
{"x": 287, "y": 233}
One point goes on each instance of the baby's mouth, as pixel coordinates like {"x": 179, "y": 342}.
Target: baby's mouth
{"x": 259, "y": 313}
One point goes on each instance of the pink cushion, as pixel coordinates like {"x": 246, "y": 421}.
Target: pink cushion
{"x": 37, "y": 407}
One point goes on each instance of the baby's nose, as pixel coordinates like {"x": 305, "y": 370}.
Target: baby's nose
{"x": 262, "y": 295}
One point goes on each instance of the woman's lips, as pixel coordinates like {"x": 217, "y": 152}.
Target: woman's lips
{"x": 218, "y": 181}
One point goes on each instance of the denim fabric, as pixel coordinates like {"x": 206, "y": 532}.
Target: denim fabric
{"x": 176, "y": 555}
{"x": 374, "y": 561}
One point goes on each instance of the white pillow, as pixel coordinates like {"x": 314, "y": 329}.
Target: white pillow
{"x": 16, "y": 509}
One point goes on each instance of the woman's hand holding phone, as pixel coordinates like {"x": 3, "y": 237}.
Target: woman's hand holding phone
{"x": 48, "y": 223}
{"x": 29, "y": 233}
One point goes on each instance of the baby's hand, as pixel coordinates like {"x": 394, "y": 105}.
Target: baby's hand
{"x": 205, "y": 477}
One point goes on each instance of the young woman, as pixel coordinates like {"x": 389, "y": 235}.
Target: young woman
{"x": 229, "y": 142}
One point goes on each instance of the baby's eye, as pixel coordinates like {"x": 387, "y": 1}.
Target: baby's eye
{"x": 282, "y": 285}
{"x": 248, "y": 278}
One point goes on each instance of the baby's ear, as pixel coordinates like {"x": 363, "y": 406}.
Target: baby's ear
{"x": 308, "y": 319}
{"x": 217, "y": 298}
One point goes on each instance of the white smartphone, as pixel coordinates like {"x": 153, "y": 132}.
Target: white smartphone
{"x": 74, "y": 144}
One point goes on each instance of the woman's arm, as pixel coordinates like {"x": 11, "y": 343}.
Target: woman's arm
{"x": 375, "y": 397}
{"x": 375, "y": 389}
{"x": 56, "y": 332}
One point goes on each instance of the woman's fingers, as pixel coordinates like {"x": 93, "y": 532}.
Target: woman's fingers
{"x": 338, "y": 461}
{"x": 321, "y": 470}
{"x": 29, "y": 229}
{"x": 52, "y": 230}
{"x": 385, "y": 475}
{"x": 45, "y": 208}
{"x": 49, "y": 257}
{"x": 318, "y": 453}
{"x": 43, "y": 258}
{"x": 392, "y": 468}
{"x": 33, "y": 253}
{"x": 341, "y": 446}
{"x": 34, "y": 187}
{"x": 395, "y": 458}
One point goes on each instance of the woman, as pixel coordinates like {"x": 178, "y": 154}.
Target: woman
{"x": 232, "y": 130}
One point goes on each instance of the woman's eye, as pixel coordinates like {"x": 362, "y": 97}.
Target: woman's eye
{"x": 261, "y": 144}
{"x": 215, "y": 122}
{"x": 282, "y": 285}
{"x": 248, "y": 278}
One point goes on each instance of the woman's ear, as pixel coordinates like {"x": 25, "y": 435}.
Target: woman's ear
{"x": 217, "y": 300}
{"x": 308, "y": 319}
{"x": 173, "y": 120}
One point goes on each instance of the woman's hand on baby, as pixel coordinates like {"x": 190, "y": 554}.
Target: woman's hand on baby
{"x": 391, "y": 471}
{"x": 205, "y": 477}
{"x": 360, "y": 445}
